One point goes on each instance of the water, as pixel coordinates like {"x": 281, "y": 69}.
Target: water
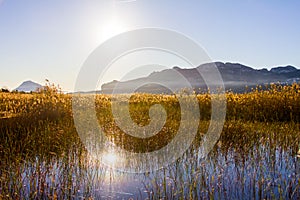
{"x": 246, "y": 166}
{"x": 230, "y": 174}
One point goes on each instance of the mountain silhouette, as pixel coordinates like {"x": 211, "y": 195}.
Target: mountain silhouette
{"x": 28, "y": 86}
{"x": 236, "y": 77}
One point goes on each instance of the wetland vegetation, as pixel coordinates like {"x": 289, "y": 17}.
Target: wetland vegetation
{"x": 256, "y": 157}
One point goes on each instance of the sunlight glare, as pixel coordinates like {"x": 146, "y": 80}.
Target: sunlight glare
{"x": 110, "y": 158}
{"x": 112, "y": 27}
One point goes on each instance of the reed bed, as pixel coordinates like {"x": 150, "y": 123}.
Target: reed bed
{"x": 256, "y": 157}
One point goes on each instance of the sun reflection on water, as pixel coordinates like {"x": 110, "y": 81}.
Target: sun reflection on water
{"x": 110, "y": 157}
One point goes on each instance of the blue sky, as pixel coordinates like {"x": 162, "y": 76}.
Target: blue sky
{"x": 52, "y": 38}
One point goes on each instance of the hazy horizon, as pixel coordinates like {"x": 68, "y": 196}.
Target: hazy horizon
{"x": 138, "y": 73}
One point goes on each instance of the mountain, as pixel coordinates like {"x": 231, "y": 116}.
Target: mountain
{"x": 28, "y": 86}
{"x": 287, "y": 69}
{"x": 235, "y": 77}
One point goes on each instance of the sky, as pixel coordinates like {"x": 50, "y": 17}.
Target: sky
{"x": 51, "y": 39}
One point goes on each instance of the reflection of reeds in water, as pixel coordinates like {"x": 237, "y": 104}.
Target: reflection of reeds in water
{"x": 260, "y": 162}
{"x": 257, "y": 155}
{"x": 254, "y": 159}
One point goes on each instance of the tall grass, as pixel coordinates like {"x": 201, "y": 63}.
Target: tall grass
{"x": 42, "y": 156}
{"x": 273, "y": 103}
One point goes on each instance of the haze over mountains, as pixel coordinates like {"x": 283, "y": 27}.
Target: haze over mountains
{"x": 235, "y": 77}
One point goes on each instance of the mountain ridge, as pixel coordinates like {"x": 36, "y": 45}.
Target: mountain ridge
{"x": 235, "y": 76}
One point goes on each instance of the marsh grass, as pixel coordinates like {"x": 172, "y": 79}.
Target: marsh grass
{"x": 256, "y": 157}
{"x": 254, "y": 161}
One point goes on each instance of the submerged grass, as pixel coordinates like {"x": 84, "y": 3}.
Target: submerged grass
{"x": 42, "y": 156}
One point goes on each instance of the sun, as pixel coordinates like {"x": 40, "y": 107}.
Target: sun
{"x": 111, "y": 27}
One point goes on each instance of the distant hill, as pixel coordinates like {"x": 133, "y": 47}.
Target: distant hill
{"x": 235, "y": 77}
{"x": 28, "y": 86}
